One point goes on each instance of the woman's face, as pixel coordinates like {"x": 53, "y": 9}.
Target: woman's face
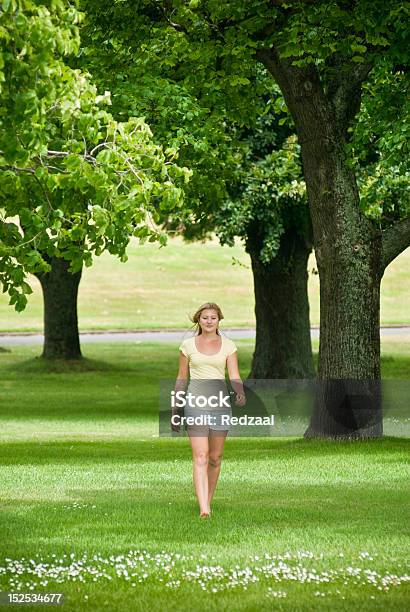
{"x": 209, "y": 320}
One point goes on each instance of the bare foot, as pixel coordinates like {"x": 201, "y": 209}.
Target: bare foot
{"x": 205, "y": 514}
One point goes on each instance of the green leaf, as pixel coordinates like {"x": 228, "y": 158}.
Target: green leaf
{"x": 26, "y": 288}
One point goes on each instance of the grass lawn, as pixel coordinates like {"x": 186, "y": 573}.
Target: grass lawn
{"x": 158, "y": 288}
{"x": 95, "y": 506}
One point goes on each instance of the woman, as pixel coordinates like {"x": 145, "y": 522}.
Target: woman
{"x": 203, "y": 357}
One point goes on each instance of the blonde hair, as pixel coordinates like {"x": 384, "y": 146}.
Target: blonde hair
{"x": 196, "y": 316}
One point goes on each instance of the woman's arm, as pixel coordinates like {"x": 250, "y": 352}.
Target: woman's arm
{"x": 183, "y": 372}
{"x": 180, "y": 383}
{"x": 235, "y": 378}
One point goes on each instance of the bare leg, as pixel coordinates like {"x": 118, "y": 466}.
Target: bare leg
{"x": 200, "y": 454}
{"x": 216, "y": 447}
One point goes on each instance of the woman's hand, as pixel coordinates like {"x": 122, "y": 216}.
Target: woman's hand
{"x": 240, "y": 399}
{"x": 175, "y": 426}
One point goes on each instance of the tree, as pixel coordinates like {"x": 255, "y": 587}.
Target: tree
{"x": 325, "y": 56}
{"x": 266, "y": 207}
{"x": 78, "y": 181}
{"x": 352, "y": 252}
{"x": 272, "y": 217}
{"x": 230, "y": 191}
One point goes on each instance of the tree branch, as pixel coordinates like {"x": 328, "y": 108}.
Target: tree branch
{"x": 16, "y": 169}
{"x": 345, "y": 89}
{"x": 166, "y": 13}
{"x": 51, "y": 154}
{"x": 294, "y": 81}
{"x": 86, "y": 156}
{"x": 303, "y": 93}
{"x": 395, "y": 240}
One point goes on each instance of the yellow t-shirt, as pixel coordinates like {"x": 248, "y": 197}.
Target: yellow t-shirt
{"x": 203, "y": 366}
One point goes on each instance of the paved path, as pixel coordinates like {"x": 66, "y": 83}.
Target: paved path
{"x": 161, "y": 336}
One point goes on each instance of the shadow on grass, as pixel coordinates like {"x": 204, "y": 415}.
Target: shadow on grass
{"x": 40, "y": 365}
{"x": 167, "y": 451}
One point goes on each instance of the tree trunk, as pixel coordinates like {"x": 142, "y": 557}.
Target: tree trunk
{"x": 348, "y": 251}
{"x": 283, "y": 346}
{"x": 348, "y": 386}
{"x": 60, "y": 289}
